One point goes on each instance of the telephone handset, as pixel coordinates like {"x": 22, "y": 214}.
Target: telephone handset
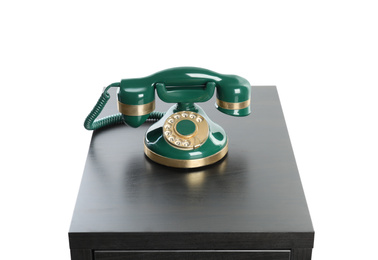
{"x": 184, "y": 136}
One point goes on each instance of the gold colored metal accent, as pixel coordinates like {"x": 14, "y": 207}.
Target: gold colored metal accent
{"x": 186, "y": 142}
{"x": 136, "y": 110}
{"x": 233, "y": 106}
{"x": 186, "y": 163}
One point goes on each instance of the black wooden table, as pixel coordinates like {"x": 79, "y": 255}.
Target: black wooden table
{"x": 250, "y": 205}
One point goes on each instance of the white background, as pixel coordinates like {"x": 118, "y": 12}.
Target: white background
{"x": 56, "y": 56}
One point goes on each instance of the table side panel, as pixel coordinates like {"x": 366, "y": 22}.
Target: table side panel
{"x": 191, "y": 241}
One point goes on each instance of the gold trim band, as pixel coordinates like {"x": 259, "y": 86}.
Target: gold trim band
{"x": 233, "y": 106}
{"x": 136, "y": 110}
{"x": 185, "y": 163}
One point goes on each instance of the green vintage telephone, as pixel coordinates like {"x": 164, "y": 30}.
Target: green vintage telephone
{"x": 184, "y": 136}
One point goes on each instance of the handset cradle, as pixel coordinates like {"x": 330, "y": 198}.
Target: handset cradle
{"x": 184, "y": 136}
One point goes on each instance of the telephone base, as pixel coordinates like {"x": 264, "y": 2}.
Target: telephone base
{"x": 194, "y": 163}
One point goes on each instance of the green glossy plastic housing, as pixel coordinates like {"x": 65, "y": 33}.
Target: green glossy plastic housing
{"x": 185, "y": 86}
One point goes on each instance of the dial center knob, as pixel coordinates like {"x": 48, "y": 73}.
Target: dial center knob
{"x": 186, "y": 127}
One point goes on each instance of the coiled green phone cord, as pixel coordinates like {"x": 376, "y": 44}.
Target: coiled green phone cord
{"x": 91, "y": 123}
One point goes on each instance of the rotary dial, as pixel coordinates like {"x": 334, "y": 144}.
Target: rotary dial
{"x": 185, "y": 130}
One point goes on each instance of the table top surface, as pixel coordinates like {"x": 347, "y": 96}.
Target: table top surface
{"x": 255, "y": 188}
